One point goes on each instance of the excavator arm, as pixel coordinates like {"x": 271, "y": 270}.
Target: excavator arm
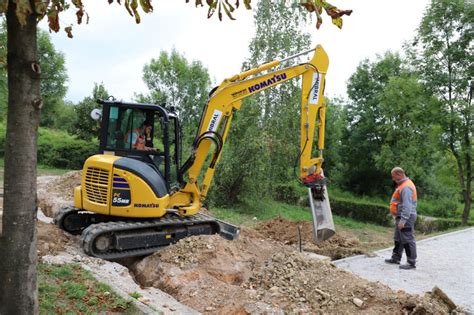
{"x": 227, "y": 98}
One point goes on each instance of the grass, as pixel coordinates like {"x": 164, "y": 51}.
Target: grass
{"x": 69, "y": 289}
{"x": 250, "y": 213}
{"x": 135, "y": 295}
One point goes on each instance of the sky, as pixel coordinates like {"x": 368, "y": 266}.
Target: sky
{"x": 112, "y": 49}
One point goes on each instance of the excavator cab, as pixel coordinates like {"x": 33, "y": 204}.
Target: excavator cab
{"x": 125, "y": 125}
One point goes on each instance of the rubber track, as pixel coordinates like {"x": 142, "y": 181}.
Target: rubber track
{"x": 93, "y": 231}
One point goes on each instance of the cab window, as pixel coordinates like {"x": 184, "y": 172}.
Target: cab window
{"x": 124, "y": 127}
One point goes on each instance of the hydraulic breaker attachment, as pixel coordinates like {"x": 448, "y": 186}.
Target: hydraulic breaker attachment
{"x": 323, "y": 224}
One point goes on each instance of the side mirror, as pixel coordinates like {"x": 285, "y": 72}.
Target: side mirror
{"x": 96, "y": 114}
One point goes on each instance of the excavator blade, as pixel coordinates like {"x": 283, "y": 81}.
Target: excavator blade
{"x": 323, "y": 224}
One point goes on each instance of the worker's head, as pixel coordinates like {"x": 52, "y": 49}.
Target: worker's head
{"x": 147, "y": 126}
{"x": 397, "y": 174}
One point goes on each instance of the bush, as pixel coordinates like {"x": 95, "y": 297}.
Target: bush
{"x": 379, "y": 214}
{"x": 442, "y": 207}
{"x": 362, "y": 211}
{"x": 430, "y": 225}
{"x": 290, "y": 192}
{"x": 58, "y": 148}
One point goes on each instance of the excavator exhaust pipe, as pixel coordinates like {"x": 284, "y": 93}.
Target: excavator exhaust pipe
{"x": 323, "y": 224}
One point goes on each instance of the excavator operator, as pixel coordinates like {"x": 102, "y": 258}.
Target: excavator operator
{"x": 141, "y": 138}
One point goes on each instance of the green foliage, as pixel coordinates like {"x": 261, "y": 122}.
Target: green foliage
{"x": 59, "y": 149}
{"x": 335, "y": 121}
{"x": 389, "y": 123}
{"x": 441, "y": 207}
{"x": 362, "y": 211}
{"x": 429, "y": 226}
{"x": 291, "y": 192}
{"x": 83, "y": 126}
{"x": 362, "y": 139}
{"x": 53, "y": 77}
{"x": 442, "y": 54}
{"x": 409, "y": 135}
{"x": 239, "y": 172}
{"x": 175, "y": 82}
{"x": 65, "y": 116}
{"x": 135, "y": 295}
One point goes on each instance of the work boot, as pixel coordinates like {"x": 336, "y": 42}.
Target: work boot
{"x": 407, "y": 266}
{"x": 392, "y": 261}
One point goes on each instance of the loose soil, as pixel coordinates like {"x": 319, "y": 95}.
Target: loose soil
{"x": 261, "y": 272}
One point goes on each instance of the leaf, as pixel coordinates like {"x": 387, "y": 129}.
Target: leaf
{"x": 335, "y": 12}
{"x": 77, "y": 3}
{"x": 4, "y": 5}
{"x": 319, "y": 20}
{"x": 127, "y": 6}
{"x": 317, "y": 7}
{"x": 146, "y": 6}
{"x": 308, "y": 5}
{"x": 23, "y": 10}
{"x": 337, "y": 22}
{"x": 68, "y": 30}
{"x": 212, "y": 8}
{"x": 40, "y": 7}
{"x": 79, "y": 14}
{"x": 247, "y": 4}
{"x": 220, "y": 11}
{"x": 228, "y": 12}
{"x": 134, "y": 6}
{"x": 53, "y": 19}
{"x": 231, "y": 8}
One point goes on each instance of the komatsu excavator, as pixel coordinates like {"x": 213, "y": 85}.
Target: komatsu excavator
{"x": 135, "y": 197}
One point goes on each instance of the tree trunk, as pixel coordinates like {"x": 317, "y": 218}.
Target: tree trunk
{"x": 18, "y": 290}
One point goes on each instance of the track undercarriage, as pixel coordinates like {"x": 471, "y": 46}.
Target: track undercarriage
{"x": 114, "y": 237}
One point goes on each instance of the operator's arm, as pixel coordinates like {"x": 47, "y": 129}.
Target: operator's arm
{"x": 407, "y": 204}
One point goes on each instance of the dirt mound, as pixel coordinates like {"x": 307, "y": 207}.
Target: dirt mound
{"x": 55, "y": 192}
{"x": 51, "y": 240}
{"x": 256, "y": 275}
{"x": 341, "y": 245}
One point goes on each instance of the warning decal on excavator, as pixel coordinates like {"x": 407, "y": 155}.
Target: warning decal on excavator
{"x": 315, "y": 88}
{"x": 216, "y": 117}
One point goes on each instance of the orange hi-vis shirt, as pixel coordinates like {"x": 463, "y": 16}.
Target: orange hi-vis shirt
{"x": 396, "y": 197}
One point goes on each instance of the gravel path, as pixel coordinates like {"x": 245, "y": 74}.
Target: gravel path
{"x": 446, "y": 261}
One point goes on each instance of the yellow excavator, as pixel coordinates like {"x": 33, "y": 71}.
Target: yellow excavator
{"x": 135, "y": 197}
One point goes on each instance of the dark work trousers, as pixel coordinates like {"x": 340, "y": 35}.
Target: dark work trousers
{"x": 405, "y": 240}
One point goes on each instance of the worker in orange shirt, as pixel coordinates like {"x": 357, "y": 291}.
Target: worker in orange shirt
{"x": 403, "y": 209}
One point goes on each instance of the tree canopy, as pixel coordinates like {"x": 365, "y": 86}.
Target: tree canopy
{"x": 54, "y": 77}
{"x": 442, "y": 54}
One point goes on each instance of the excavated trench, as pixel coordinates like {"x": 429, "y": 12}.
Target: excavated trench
{"x": 261, "y": 272}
